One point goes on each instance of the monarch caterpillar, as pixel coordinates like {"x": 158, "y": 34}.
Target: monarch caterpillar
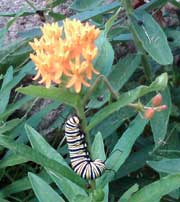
{"x": 81, "y": 162}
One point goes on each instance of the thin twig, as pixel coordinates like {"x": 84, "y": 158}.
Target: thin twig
{"x": 93, "y": 87}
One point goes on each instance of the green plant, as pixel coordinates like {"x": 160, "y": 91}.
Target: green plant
{"x": 118, "y": 105}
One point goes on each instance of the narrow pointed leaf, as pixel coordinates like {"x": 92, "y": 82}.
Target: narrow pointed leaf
{"x": 42, "y": 190}
{"x": 65, "y": 185}
{"x": 83, "y": 5}
{"x": 68, "y": 188}
{"x": 153, "y": 192}
{"x": 127, "y": 195}
{"x": 58, "y": 94}
{"x": 152, "y": 37}
{"x": 37, "y": 157}
{"x": 171, "y": 166}
{"x": 39, "y": 144}
{"x": 122, "y": 149}
{"x": 160, "y": 121}
{"x": 21, "y": 185}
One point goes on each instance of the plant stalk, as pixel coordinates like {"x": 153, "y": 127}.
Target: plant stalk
{"x": 93, "y": 87}
{"x": 81, "y": 115}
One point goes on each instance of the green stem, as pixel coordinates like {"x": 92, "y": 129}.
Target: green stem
{"x": 137, "y": 106}
{"x": 93, "y": 87}
{"x": 169, "y": 151}
{"x": 80, "y": 111}
{"x": 127, "y": 5}
{"x": 111, "y": 21}
{"x": 81, "y": 115}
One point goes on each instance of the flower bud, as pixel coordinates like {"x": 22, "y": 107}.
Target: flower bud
{"x": 149, "y": 113}
{"x": 161, "y": 108}
{"x": 157, "y": 100}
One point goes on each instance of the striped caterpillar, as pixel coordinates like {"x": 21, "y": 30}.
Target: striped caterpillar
{"x": 81, "y": 162}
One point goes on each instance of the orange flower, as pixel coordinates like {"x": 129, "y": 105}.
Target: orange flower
{"x": 78, "y": 70}
{"x": 66, "y": 51}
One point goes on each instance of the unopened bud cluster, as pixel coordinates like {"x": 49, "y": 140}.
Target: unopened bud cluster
{"x": 156, "y": 107}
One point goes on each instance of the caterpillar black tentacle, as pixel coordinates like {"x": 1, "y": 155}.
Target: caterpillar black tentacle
{"x": 81, "y": 162}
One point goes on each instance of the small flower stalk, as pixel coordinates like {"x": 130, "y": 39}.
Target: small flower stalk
{"x": 66, "y": 54}
{"x": 148, "y": 112}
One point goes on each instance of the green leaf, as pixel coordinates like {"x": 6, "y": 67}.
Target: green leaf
{"x": 173, "y": 37}
{"x": 122, "y": 37}
{"x": 156, "y": 190}
{"x": 11, "y": 84}
{"x": 126, "y": 196}
{"x": 37, "y": 157}
{"x": 39, "y": 144}
{"x": 115, "y": 120}
{"x": 68, "y": 188}
{"x": 135, "y": 161}
{"x": 152, "y": 37}
{"x": 175, "y": 3}
{"x": 105, "y": 57}
{"x": 98, "y": 148}
{"x": 13, "y": 107}
{"x": 120, "y": 74}
{"x": 80, "y": 198}
{"x": 152, "y": 5}
{"x": 33, "y": 120}
{"x": 12, "y": 160}
{"x": 3, "y": 200}
{"x": 123, "y": 148}
{"x": 54, "y": 3}
{"x": 128, "y": 139}
{"x": 9, "y": 125}
{"x": 106, "y": 193}
{"x": 56, "y": 16}
{"x": 111, "y": 21}
{"x": 171, "y": 166}
{"x": 21, "y": 185}
{"x": 4, "y": 30}
{"x": 159, "y": 123}
{"x": 14, "y": 55}
{"x": 159, "y": 84}
{"x": 8, "y": 14}
{"x": 83, "y": 5}
{"x": 98, "y": 152}
{"x": 97, "y": 195}
{"x": 5, "y": 98}
{"x": 42, "y": 190}
{"x": 84, "y": 16}
{"x": 58, "y": 94}
{"x": 7, "y": 77}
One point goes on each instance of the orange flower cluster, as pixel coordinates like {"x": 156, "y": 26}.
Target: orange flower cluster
{"x": 66, "y": 51}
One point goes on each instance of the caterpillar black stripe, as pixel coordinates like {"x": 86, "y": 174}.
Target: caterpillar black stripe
{"x": 79, "y": 155}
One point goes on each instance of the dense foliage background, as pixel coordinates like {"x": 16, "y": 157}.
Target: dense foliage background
{"x": 139, "y": 54}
